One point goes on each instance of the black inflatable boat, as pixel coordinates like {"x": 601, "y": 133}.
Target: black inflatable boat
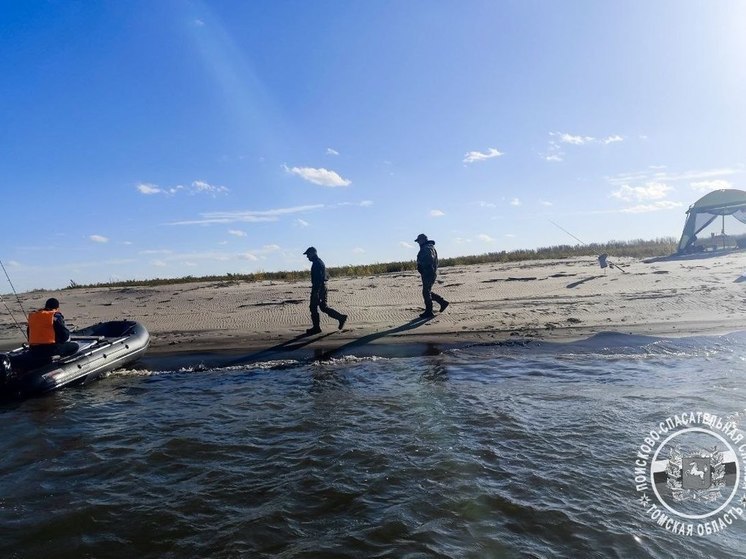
{"x": 102, "y": 347}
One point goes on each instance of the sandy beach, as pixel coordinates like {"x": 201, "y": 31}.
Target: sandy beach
{"x": 550, "y": 300}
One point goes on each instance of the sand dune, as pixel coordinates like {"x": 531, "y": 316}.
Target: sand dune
{"x": 558, "y": 300}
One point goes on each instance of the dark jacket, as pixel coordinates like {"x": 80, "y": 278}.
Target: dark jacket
{"x": 61, "y": 333}
{"x": 427, "y": 259}
{"x": 318, "y": 273}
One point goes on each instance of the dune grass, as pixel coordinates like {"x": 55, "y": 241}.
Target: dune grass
{"x": 615, "y": 249}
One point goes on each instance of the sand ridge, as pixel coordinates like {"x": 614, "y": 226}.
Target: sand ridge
{"x": 549, "y": 299}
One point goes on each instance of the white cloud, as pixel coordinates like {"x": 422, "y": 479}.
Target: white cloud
{"x": 436, "y": 213}
{"x": 236, "y": 232}
{"x": 301, "y": 222}
{"x": 358, "y": 250}
{"x": 487, "y": 205}
{"x": 545, "y": 203}
{"x": 159, "y": 263}
{"x": 248, "y": 256}
{"x": 554, "y": 152}
{"x": 708, "y": 186}
{"x": 199, "y": 187}
{"x": 651, "y": 191}
{"x": 484, "y": 237}
{"x": 404, "y": 244}
{"x": 248, "y": 216}
{"x": 661, "y": 176}
{"x": 473, "y": 156}
{"x": 147, "y": 188}
{"x": 98, "y": 238}
{"x": 322, "y": 177}
{"x": 574, "y": 140}
{"x": 515, "y": 202}
{"x": 330, "y": 151}
{"x": 510, "y": 235}
{"x": 654, "y": 207}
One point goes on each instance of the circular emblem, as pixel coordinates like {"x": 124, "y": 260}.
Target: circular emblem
{"x": 688, "y": 472}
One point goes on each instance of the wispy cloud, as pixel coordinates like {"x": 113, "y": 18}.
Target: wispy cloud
{"x": 155, "y": 251}
{"x": 321, "y": 176}
{"x": 236, "y": 232}
{"x": 483, "y": 204}
{"x": 708, "y": 186}
{"x": 98, "y": 238}
{"x": 571, "y": 139}
{"x": 485, "y": 238}
{"x": 330, "y": 151}
{"x": 515, "y": 202}
{"x": 197, "y": 187}
{"x": 650, "y": 191}
{"x": 263, "y": 216}
{"x": 545, "y": 203}
{"x": 474, "y": 156}
{"x": 405, "y": 244}
{"x": 247, "y": 216}
{"x": 202, "y": 187}
{"x": 654, "y": 207}
{"x": 358, "y": 250}
{"x": 555, "y": 152}
{"x": 437, "y": 213}
{"x": 657, "y": 174}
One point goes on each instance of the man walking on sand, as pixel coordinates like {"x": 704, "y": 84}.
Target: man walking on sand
{"x": 318, "y": 293}
{"x": 427, "y": 266}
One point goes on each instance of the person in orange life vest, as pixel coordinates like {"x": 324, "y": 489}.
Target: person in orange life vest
{"x": 47, "y": 333}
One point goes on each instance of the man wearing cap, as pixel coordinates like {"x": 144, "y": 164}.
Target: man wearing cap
{"x": 47, "y": 333}
{"x": 318, "y": 293}
{"x": 427, "y": 266}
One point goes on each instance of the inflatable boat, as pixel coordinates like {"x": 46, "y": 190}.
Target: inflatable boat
{"x": 102, "y": 348}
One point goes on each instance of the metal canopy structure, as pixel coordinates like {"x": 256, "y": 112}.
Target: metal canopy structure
{"x": 725, "y": 202}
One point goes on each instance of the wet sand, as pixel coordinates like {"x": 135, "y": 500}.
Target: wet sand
{"x": 555, "y": 300}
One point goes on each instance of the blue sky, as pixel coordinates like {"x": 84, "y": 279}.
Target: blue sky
{"x": 161, "y": 138}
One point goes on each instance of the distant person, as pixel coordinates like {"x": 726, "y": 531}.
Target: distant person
{"x": 318, "y": 293}
{"x": 427, "y": 266}
{"x": 47, "y": 333}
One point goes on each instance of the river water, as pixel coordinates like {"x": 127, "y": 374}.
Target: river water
{"x": 513, "y": 450}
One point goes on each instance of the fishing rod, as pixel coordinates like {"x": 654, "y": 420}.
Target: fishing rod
{"x": 602, "y": 258}
{"x": 25, "y": 314}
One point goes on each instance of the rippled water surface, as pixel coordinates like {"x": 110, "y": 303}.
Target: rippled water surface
{"x": 518, "y": 450}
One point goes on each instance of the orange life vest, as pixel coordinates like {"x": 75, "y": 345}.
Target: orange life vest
{"x": 41, "y": 327}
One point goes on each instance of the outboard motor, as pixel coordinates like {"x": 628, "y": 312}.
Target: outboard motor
{"x": 6, "y": 369}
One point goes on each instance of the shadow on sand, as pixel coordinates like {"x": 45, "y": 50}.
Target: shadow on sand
{"x": 276, "y": 351}
{"x": 580, "y": 282}
{"x": 286, "y": 349}
{"x": 694, "y": 255}
{"x": 411, "y": 325}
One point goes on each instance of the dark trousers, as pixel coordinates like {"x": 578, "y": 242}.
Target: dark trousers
{"x": 318, "y": 302}
{"x": 49, "y": 350}
{"x": 427, "y": 293}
